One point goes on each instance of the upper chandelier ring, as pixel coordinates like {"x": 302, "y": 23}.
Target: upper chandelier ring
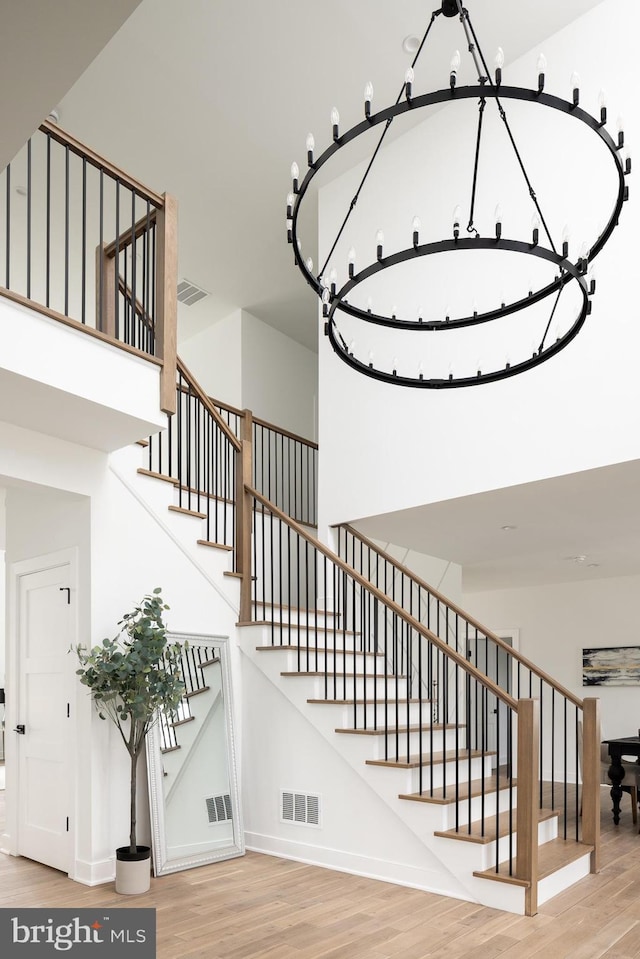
{"x": 540, "y": 243}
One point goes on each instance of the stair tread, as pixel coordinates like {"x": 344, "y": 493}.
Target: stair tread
{"x": 465, "y": 790}
{"x": 170, "y": 749}
{"x": 154, "y": 475}
{"x": 187, "y": 512}
{"x": 552, "y": 856}
{"x": 209, "y": 542}
{"x": 506, "y": 823}
{"x": 196, "y": 692}
{"x": 304, "y": 626}
{"x": 391, "y": 730}
{"x": 181, "y": 722}
{"x": 437, "y": 759}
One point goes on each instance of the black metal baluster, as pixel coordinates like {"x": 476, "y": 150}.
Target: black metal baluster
{"x": 116, "y": 262}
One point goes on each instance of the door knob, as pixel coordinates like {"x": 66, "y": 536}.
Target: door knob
{"x": 20, "y": 729}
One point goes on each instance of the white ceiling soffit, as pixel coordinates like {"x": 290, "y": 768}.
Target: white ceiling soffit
{"x": 580, "y": 526}
{"x": 44, "y": 47}
{"x": 220, "y": 100}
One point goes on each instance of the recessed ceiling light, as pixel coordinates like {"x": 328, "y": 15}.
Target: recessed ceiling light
{"x": 411, "y": 43}
{"x": 592, "y": 565}
{"x": 507, "y": 528}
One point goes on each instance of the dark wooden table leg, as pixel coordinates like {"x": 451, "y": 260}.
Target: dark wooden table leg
{"x": 616, "y": 775}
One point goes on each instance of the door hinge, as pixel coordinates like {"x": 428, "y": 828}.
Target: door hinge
{"x": 68, "y": 710}
{"x": 67, "y": 590}
{"x": 67, "y": 824}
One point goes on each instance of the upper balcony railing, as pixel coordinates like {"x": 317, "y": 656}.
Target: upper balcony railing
{"x": 85, "y": 243}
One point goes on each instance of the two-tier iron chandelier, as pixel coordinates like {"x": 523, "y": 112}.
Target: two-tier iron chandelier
{"x": 349, "y": 314}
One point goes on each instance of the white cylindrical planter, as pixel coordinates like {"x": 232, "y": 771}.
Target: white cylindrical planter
{"x": 133, "y": 870}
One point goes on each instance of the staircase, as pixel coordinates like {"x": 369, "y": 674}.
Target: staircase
{"x": 387, "y": 672}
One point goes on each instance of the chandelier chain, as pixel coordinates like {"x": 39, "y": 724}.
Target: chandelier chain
{"x": 481, "y": 107}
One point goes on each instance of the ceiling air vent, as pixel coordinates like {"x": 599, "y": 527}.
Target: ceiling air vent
{"x": 219, "y": 808}
{"x": 302, "y": 808}
{"x": 189, "y": 293}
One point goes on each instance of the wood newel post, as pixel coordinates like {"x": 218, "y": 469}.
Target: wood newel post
{"x": 166, "y": 318}
{"x": 105, "y": 292}
{"x": 528, "y": 791}
{"x": 591, "y": 779}
{"x": 244, "y": 476}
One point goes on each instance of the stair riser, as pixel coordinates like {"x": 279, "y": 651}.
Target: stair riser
{"x": 469, "y": 857}
{"x": 284, "y": 633}
{"x": 375, "y": 715}
{"x": 404, "y": 744}
{"x": 305, "y": 619}
{"x": 311, "y": 660}
{"x": 503, "y": 801}
{"x": 340, "y": 687}
{"x": 408, "y": 780}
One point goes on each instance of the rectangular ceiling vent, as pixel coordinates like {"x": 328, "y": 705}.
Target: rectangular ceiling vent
{"x": 189, "y": 293}
{"x": 302, "y": 808}
{"x": 219, "y": 808}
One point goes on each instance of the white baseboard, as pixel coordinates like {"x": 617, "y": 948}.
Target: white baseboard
{"x": 399, "y": 874}
{"x": 94, "y": 873}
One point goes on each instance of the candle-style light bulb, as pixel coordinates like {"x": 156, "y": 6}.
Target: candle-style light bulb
{"x": 583, "y": 259}
{"x": 335, "y": 123}
{"x": 368, "y": 97}
{"x": 371, "y": 359}
{"x": 592, "y": 281}
{"x": 453, "y": 69}
{"x": 535, "y": 227}
{"x": 395, "y": 366}
{"x": 566, "y": 235}
{"x": 326, "y": 300}
{"x": 409, "y": 77}
{"x": 352, "y": 346}
{"x": 311, "y": 145}
{"x": 420, "y": 314}
{"x": 420, "y": 370}
{"x": 602, "y": 103}
{"x": 295, "y": 174}
{"x": 309, "y": 264}
{"x": 379, "y": 243}
{"x": 333, "y": 278}
{"x": 290, "y": 202}
{"x": 415, "y": 227}
{"x": 499, "y": 63}
{"x": 575, "y": 87}
{"x": 457, "y": 213}
{"x": 369, "y": 305}
{"x": 620, "y": 133}
{"x": 542, "y": 69}
{"x": 351, "y": 257}
{"x": 498, "y": 216}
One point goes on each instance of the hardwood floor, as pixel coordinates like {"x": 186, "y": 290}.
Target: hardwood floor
{"x": 260, "y": 907}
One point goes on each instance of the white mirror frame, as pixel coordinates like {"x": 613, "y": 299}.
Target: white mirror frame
{"x": 162, "y": 866}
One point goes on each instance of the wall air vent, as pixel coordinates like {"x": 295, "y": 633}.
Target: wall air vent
{"x": 219, "y": 808}
{"x": 189, "y": 293}
{"x": 302, "y": 808}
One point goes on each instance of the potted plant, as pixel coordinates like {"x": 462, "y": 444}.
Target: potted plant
{"x": 132, "y": 678}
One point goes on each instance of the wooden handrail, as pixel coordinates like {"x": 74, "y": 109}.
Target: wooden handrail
{"x": 364, "y": 583}
{"x": 86, "y": 153}
{"x": 126, "y": 238}
{"x": 197, "y": 390}
{"x": 540, "y": 673}
{"x": 266, "y": 424}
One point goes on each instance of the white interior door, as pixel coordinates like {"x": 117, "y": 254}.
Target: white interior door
{"x": 496, "y": 664}
{"x": 45, "y": 633}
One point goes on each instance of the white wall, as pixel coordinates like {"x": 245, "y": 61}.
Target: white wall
{"x": 403, "y": 447}
{"x": 557, "y": 621}
{"x": 279, "y": 378}
{"x": 214, "y": 356}
{"x": 244, "y": 362}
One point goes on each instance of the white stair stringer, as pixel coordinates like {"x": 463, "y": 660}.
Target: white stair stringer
{"x": 155, "y": 496}
{"x": 458, "y": 859}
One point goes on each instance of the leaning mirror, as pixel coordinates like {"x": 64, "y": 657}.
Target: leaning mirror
{"x": 193, "y": 789}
